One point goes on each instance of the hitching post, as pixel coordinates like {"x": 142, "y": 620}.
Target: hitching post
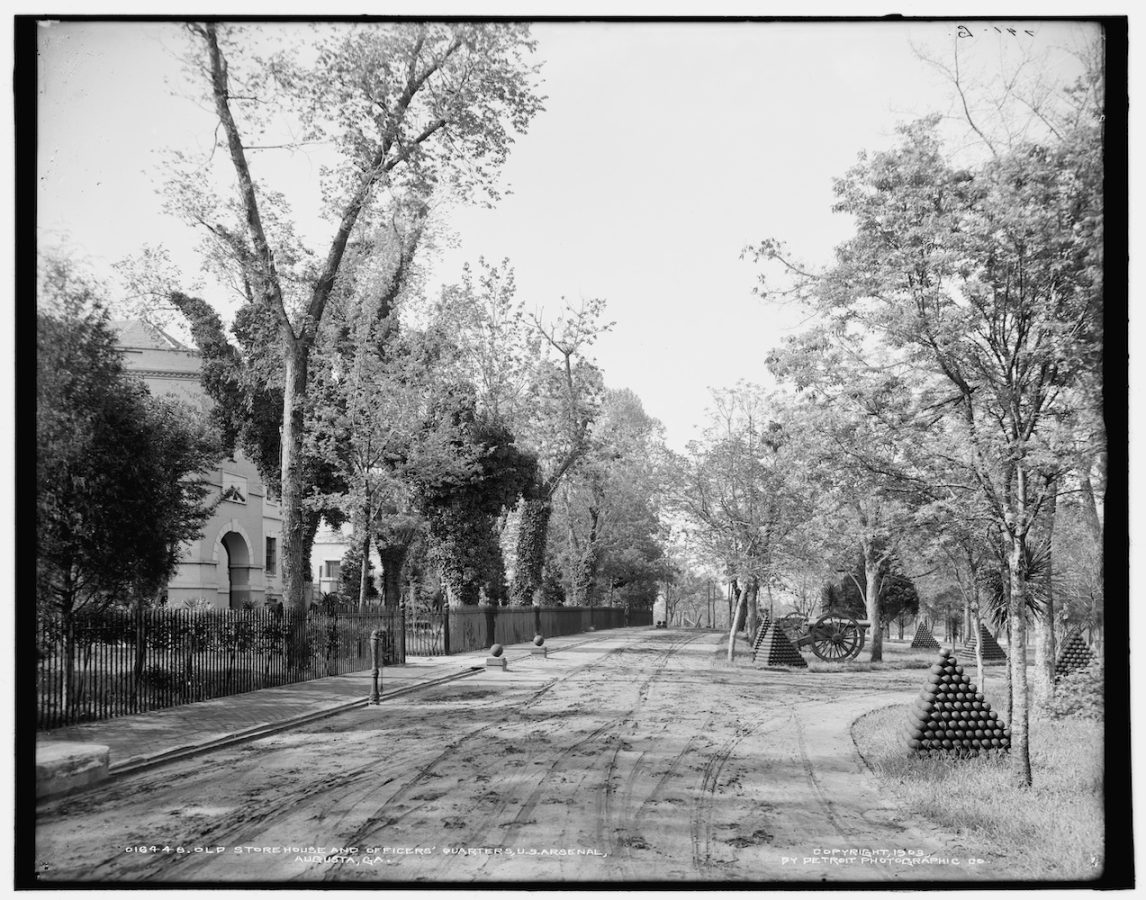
{"x": 376, "y": 663}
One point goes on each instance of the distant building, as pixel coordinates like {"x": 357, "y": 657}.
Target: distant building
{"x": 236, "y": 562}
{"x": 330, "y": 545}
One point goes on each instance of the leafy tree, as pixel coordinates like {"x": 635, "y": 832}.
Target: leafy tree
{"x": 533, "y": 377}
{"x": 564, "y": 405}
{"x": 611, "y": 504}
{"x": 945, "y": 606}
{"x": 404, "y": 109}
{"x": 373, "y": 386}
{"x": 351, "y": 579}
{"x": 634, "y": 573}
{"x": 897, "y": 593}
{"x": 740, "y": 487}
{"x": 1025, "y": 104}
{"x": 246, "y": 406}
{"x": 689, "y": 598}
{"x": 398, "y": 531}
{"x": 498, "y": 345}
{"x": 119, "y": 483}
{"x": 461, "y": 510}
{"x": 843, "y": 432}
{"x": 118, "y": 474}
{"x": 991, "y": 280}
{"x": 1078, "y": 569}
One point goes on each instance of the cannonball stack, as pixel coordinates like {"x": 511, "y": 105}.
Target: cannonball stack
{"x": 774, "y": 649}
{"x": 1075, "y": 655}
{"x": 760, "y": 629}
{"x": 991, "y": 649}
{"x": 924, "y": 639}
{"x": 951, "y": 717}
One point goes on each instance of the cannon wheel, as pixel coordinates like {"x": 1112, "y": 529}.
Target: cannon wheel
{"x": 793, "y": 626}
{"x": 835, "y": 638}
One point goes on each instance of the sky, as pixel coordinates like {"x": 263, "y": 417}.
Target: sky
{"x": 664, "y": 149}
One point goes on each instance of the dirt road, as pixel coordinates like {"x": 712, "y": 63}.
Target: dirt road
{"x": 629, "y": 758}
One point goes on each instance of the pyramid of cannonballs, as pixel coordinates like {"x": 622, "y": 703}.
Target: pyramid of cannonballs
{"x": 760, "y": 629}
{"x": 774, "y": 649}
{"x": 991, "y": 648}
{"x": 951, "y": 717}
{"x": 924, "y": 639}
{"x": 1075, "y": 655}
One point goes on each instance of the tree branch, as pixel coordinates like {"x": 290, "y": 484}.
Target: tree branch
{"x": 269, "y": 281}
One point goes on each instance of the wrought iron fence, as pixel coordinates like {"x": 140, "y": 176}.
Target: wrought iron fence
{"x": 99, "y": 665}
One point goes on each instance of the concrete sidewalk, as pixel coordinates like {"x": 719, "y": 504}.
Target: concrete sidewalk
{"x": 72, "y": 758}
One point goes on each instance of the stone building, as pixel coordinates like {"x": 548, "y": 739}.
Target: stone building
{"x": 236, "y": 561}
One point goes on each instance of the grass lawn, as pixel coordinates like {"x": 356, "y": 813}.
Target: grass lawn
{"x": 897, "y": 654}
{"x": 1052, "y": 831}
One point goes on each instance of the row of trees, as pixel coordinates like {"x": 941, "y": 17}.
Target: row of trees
{"x": 458, "y": 435}
{"x": 942, "y": 419}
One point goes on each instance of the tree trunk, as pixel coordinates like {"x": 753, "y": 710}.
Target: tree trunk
{"x": 1044, "y": 624}
{"x": 362, "y": 574}
{"x": 590, "y": 560}
{"x": 738, "y": 618}
{"x": 871, "y": 566}
{"x": 295, "y": 563}
{"x": 751, "y": 591}
{"x": 976, "y": 622}
{"x": 1095, "y": 525}
{"x": 392, "y": 558}
{"x": 532, "y": 536}
{"x": 735, "y": 619}
{"x": 1090, "y": 508}
{"x": 1020, "y": 745}
{"x": 294, "y": 520}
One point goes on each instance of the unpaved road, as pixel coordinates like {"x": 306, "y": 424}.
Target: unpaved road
{"x": 638, "y": 757}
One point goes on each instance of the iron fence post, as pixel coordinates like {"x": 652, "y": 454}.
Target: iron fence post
{"x": 402, "y": 631}
{"x": 375, "y": 671}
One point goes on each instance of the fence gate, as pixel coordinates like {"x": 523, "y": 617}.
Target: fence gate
{"x": 427, "y": 634}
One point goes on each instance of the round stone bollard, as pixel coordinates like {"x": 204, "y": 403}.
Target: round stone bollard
{"x": 495, "y": 658}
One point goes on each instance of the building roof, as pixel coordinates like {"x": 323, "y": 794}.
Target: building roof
{"x": 135, "y": 334}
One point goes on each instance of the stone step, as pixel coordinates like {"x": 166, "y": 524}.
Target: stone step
{"x": 65, "y": 767}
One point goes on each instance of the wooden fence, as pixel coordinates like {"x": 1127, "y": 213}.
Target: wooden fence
{"x": 113, "y": 663}
{"x": 468, "y": 628}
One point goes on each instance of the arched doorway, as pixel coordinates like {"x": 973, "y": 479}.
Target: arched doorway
{"x": 238, "y": 569}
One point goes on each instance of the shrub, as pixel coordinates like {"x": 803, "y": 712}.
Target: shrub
{"x": 160, "y": 679}
{"x": 1078, "y": 693}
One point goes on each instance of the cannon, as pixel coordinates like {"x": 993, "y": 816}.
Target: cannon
{"x": 832, "y": 637}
